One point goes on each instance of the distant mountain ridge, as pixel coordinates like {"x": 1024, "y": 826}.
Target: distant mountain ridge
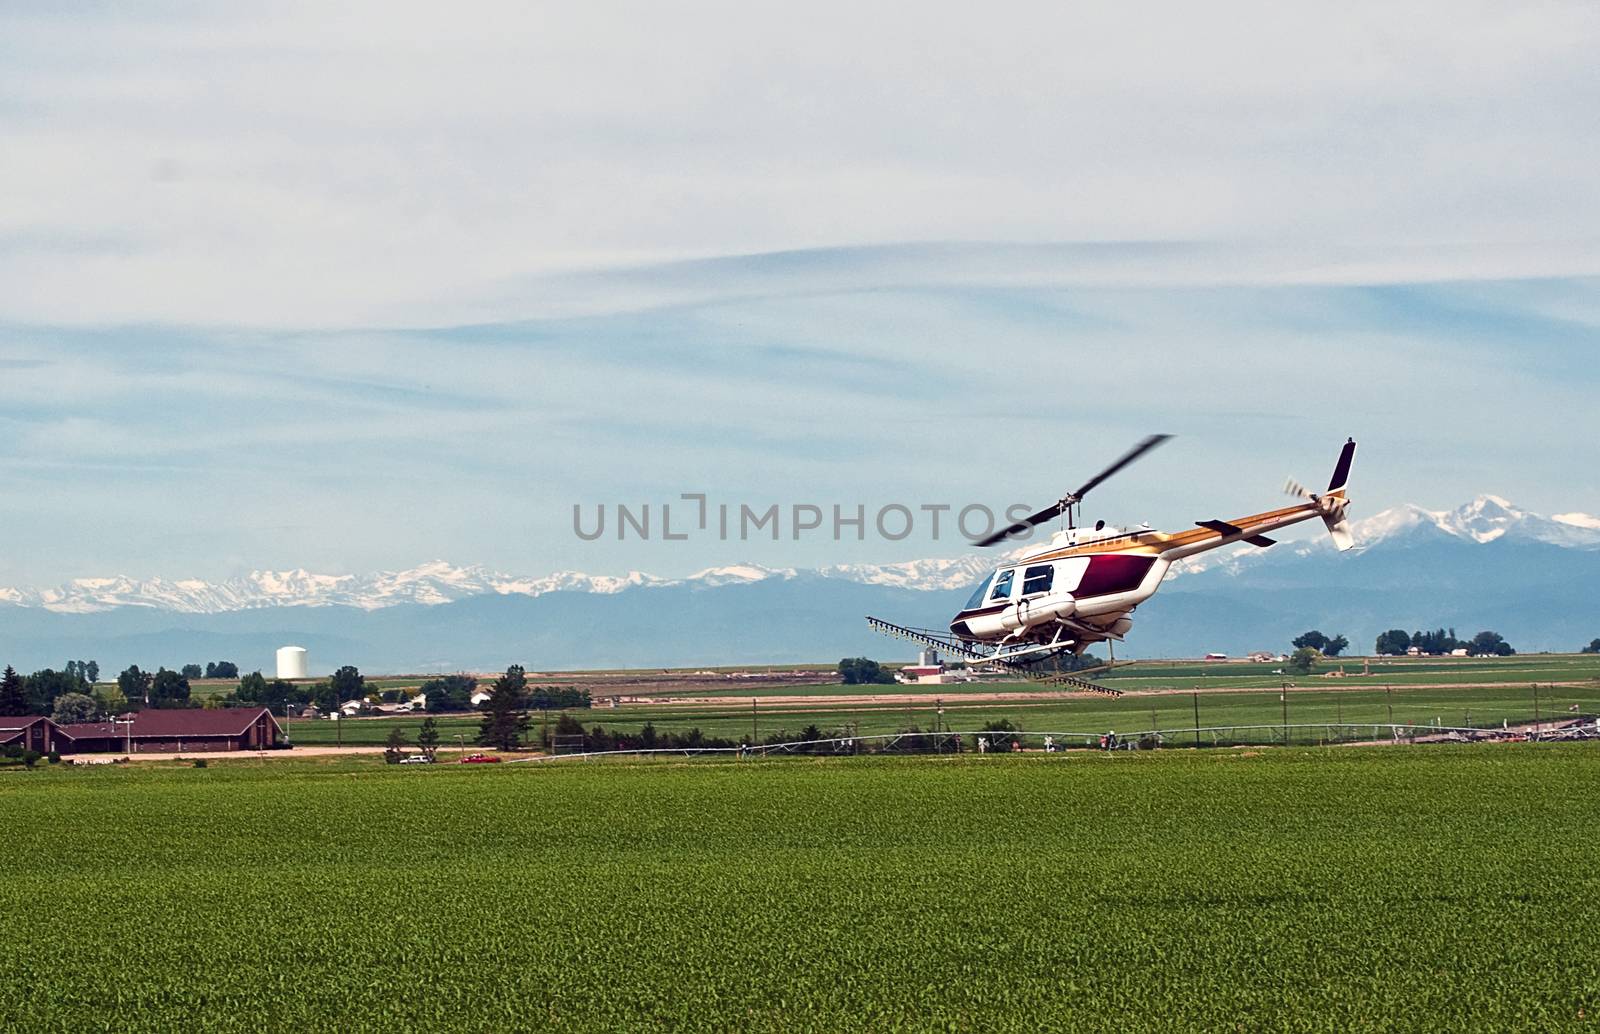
{"x": 1486, "y": 519}
{"x": 439, "y": 582}
{"x": 1484, "y": 565}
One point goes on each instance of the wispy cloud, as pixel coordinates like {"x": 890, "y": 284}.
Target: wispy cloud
{"x": 383, "y": 162}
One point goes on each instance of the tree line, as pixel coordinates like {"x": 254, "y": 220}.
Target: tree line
{"x": 1398, "y": 641}
{"x": 1314, "y": 645}
{"x": 72, "y": 695}
{"x": 75, "y": 693}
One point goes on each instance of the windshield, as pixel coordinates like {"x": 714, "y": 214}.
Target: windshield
{"x": 976, "y": 600}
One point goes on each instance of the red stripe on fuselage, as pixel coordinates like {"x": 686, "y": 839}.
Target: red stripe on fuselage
{"x": 1113, "y": 572}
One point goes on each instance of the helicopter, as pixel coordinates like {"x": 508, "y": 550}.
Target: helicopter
{"x": 1036, "y": 614}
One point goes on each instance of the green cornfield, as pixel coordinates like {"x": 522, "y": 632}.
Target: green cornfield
{"x": 1440, "y": 887}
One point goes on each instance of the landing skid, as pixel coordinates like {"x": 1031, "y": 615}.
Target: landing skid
{"x": 957, "y": 648}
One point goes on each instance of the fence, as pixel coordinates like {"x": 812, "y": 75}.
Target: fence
{"x": 1001, "y": 741}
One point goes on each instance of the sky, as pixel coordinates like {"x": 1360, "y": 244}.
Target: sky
{"x": 351, "y": 290}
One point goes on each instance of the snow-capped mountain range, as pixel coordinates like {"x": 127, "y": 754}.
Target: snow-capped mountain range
{"x": 1484, "y": 520}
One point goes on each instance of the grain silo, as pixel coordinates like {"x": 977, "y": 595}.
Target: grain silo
{"x": 291, "y": 662}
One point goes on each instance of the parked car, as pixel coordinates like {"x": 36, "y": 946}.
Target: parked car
{"x": 479, "y": 759}
{"x": 417, "y": 759}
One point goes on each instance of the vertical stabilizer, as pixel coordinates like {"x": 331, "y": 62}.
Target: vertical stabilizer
{"x": 1334, "y": 517}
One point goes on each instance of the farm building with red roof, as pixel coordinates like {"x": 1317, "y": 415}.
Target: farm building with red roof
{"x": 32, "y": 732}
{"x": 178, "y": 729}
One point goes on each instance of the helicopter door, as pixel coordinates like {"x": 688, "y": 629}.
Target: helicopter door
{"x": 1002, "y": 586}
{"x": 1036, "y": 581}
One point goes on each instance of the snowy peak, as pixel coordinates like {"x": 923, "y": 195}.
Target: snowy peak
{"x": 1487, "y": 518}
{"x": 737, "y": 574}
{"x": 945, "y": 573}
{"x": 1578, "y": 520}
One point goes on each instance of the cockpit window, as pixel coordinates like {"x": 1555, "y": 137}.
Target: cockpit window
{"x": 1002, "y": 585}
{"x": 1037, "y": 579}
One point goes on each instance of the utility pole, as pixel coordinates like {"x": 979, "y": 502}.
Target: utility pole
{"x": 1283, "y": 698}
{"x": 1536, "y": 709}
{"x": 754, "y": 734}
{"x": 1196, "y": 696}
{"x": 1388, "y": 696}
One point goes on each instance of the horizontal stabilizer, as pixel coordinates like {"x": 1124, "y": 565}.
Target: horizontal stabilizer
{"x": 1261, "y": 540}
{"x": 1222, "y": 528}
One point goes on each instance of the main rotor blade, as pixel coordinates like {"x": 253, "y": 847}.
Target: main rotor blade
{"x": 1054, "y": 509}
{"x": 1127, "y": 458}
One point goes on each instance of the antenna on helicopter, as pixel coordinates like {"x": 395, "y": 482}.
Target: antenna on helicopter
{"x": 1066, "y": 504}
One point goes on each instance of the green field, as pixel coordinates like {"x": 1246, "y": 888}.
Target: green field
{"x": 1422, "y": 887}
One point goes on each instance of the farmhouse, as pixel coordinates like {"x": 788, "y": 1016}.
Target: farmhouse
{"x": 186, "y": 729}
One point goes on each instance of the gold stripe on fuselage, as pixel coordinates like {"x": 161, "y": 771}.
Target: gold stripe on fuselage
{"x": 1154, "y": 543}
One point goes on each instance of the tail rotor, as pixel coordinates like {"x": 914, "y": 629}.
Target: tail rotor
{"x": 1331, "y": 505}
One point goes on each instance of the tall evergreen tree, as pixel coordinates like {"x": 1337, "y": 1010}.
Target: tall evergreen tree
{"x": 12, "y": 698}
{"x": 505, "y": 717}
{"x": 428, "y": 738}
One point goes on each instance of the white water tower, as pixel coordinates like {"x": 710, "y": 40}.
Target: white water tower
{"x": 291, "y": 662}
